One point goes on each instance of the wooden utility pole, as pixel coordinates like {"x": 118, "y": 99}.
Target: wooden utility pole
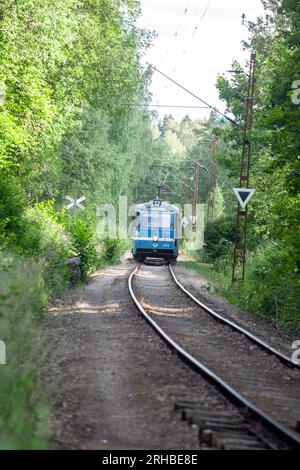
{"x": 213, "y": 180}
{"x": 240, "y": 243}
{"x": 186, "y": 191}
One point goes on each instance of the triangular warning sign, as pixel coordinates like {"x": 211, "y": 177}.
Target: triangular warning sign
{"x": 184, "y": 222}
{"x": 243, "y": 195}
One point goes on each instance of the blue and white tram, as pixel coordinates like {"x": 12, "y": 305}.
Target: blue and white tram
{"x": 156, "y": 230}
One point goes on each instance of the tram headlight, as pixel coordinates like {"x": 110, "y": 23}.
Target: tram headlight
{"x": 155, "y": 239}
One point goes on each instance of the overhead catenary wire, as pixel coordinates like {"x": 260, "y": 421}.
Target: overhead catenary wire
{"x": 176, "y": 177}
{"x": 177, "y": 30}
{"x": 175, "y": 35}
{"x": 207, "y": 105}
{"x": 194, "y": 95}
{"x": 167, "y": 106}
{"x": 197, "y": 26}
{"x": 182, "y": 19}
{"x": 183, "y": 153}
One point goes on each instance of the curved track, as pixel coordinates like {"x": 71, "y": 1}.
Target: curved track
{"x": 194, "y": 338}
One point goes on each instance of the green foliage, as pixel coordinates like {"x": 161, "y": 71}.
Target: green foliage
{"x": 58, "y": 83}
{"x": 69, "y": 73}
{"x": 273, "y": 285}
{"x": 11, "y": 211}
{"x": 112, "y": 248}
{"x": 45, "y": 238}
{"x": 84, "y": 244}
{"x": 219, "y": 203}
{"x": 271, "y": 288}
{"x": 219, "y": 236}
{"x": 22, "y": 301}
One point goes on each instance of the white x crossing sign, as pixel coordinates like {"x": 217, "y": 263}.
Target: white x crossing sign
{"x": 243, "y": 195}
{"x": 74, "y": 203}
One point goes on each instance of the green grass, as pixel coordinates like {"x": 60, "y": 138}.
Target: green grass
{"x": 217, "y": 279}
{"x": 22, "y": 302}
{"x": 204, "y": 269}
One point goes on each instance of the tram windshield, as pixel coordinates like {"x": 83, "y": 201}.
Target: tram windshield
{"x": 155, "y": 220}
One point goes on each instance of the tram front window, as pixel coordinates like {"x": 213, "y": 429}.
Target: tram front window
{"x": 155, "y": 220}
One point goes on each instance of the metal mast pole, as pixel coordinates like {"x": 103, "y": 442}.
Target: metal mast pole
{"x": 240, "y": 243}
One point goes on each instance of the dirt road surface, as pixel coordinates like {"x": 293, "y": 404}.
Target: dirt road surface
{"x": 113, "y": 381}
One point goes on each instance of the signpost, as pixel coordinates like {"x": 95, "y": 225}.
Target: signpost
{"x": 184, "y": 222}
{"x": 75, "y": 203}
{"x": 243, "y": 195}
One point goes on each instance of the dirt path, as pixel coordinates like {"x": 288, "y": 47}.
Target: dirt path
{"x": 113, "y": 380}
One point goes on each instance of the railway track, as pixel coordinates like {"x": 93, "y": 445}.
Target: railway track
{"x": 250, "y": 373}
{"x": 255, "y": 339}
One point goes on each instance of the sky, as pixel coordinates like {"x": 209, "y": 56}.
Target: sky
{"x": 196, "y": 40}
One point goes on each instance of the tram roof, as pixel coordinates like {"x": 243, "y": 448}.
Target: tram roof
{"x": 164, "y": 205}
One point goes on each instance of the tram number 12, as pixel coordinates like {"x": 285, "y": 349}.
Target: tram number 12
{"x": 156, "y": 202}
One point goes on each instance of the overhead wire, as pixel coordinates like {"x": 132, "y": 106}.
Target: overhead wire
{"x": 183, "y": 153}
{"x": 196, "y": 28}
{"x": 176, "y": 31}
{"x": 165, "y": 106}
{"x": 194, "y": 95}
{"x": 174, "y": 36}
{"x": 198, "y": 24}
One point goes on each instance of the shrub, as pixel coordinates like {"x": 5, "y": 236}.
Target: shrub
{"x": 33, "y": 270}
{"x": 271, "y": 289}
{"x": 84, "y": 243}
{"x": 112, "y": 248}
{"x": 11, "y": 211}
{"x": 273, "y": 285}
{"x": 44, "y": 237}
{"x": 219, "y": 236}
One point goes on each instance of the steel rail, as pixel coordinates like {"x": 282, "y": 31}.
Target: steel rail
{"x": 280, "y": 429}
{"x": 255, "y": 339}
